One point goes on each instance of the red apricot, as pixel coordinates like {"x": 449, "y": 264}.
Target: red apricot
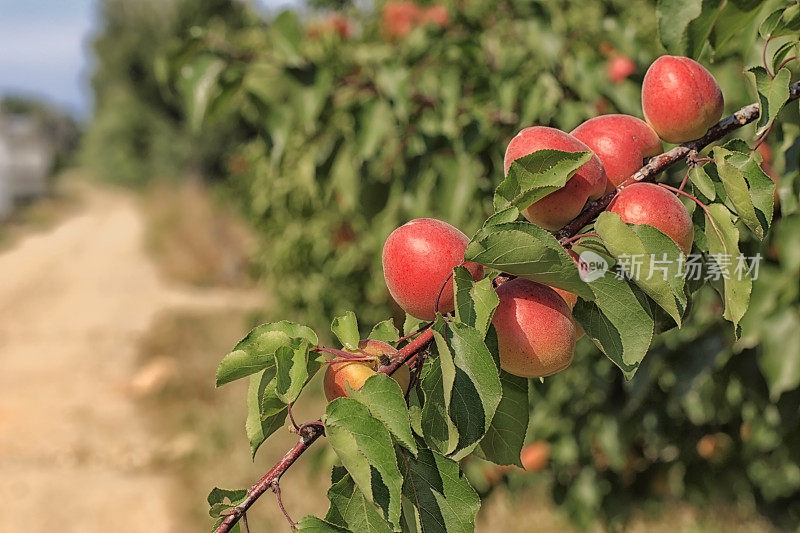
{"x": 619, "y": 67}
{"x": 534, "y": 456}
{"x": 621, "y": 142}
{"x": 556, "y": 209}
{"x": 680, "y": 99}
{"x": 437, "y": 15}
{"x": 399, "y": 18}
{"x": 356, "y": 373}
{"x": 647, "y": 203}
{"x": 535, "y": 332}
{"x": 418, "y": 258}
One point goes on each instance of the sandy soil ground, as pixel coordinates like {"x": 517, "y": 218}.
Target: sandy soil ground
{"x": 75, "y": 455}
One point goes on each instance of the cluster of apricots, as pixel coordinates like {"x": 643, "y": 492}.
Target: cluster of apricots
{"x": 536, "y": 331}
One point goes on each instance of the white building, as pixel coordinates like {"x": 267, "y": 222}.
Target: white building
{"x": 27, "y": 153}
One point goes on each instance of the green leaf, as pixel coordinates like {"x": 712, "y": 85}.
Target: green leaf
{"x": 779, "y": 359}
{"x": 286, "y": 34}
{"x": 436, "y": 383}
{"x": 258, "y": 426}
{"x": 385, "y": 400}
{"x": 476, "y": 390}
{"x": 684, "y": 25}
{"x": 346, "y": 330}
{"x": 444, "y": 500}
{"x": 256, "y": 351}
{"x": 504, "y": 216}
{"x": 527, "y": 251}
{"x": 772, "y": 94}
{"x": 700, "y": 179}
{"x": 475, "y": 300}
{"x": 412, "y": 324}
{"x": 652, "y": 260}
{"x": 365, "y": 448}
{"x": 782, "y": 53}
{"x": 723, "y": 242}
{"x": 781, "y": 22}
{"x": 291, "y": 363}
{"x": 749, "y": 190}
{"x": 313, "y": 524}
{"x": 618, "y": 321}
{"x": 385, "y": 331}
{"x": 351, "y": 509}
{"x": 503, "y": 441}
{"x": 199, "y": 85}
{"x": 220, "y": 500}
{"x": 534, "y": 176}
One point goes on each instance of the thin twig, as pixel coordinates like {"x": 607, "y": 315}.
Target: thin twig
{"x": 246, "y": 525}
{"x": 276, "y": 488}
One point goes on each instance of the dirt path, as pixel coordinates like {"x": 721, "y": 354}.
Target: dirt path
{"x": 74, "y": 452}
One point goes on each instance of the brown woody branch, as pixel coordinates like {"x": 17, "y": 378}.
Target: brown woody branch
{"x": 311, "y": 432}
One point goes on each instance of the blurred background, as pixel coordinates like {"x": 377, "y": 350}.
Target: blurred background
{"x": 174, "y": 172}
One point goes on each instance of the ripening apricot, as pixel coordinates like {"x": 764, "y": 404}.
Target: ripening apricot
{"x": 535, "y": 331}
{"x": 418, "y": 258}
{"x": 621, "y": 142}
{"x": 680, "y": 99}
{"x": 619, "y": 67}
{"x": 534, "y": 456}
{"x": 647, "y": 203}
{"x": 556, "y": 209}
{"x": 356, "y": 373}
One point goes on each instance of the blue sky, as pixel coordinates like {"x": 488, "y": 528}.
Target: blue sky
{"x": 44, "y": 49}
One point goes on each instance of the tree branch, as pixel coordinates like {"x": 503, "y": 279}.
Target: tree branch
{"x": 661, "y": 162}
{"x": 311, "y": 432}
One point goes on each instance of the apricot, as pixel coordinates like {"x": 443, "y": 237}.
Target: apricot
{"x": 680, "y": 99}
{"x": 556, "y": 209}
{"x": 535, "y": 331}
{"x": 647, "y": 203}
{"x": 619, "y": 67}
{"x": 418, "y": 258}
{"x": 436, "y": 15}
{"x": 400, "y": 18}
{"x": 534, "y": 456}
{"x": 356, "y": 373}
{"x": 621, "y": 142}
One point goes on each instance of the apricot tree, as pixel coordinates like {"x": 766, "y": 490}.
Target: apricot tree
{"x": 606, "y": 254}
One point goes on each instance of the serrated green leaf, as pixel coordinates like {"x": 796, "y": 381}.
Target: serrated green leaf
{"x": 475, "y": 301}
{"x": 527, "y": 251}
{"x": 684, "y": 25}
{"x": 346, "y": 330}
{"x": 385, "y": 400}
{"x": 783, "y": 52}
{"x": 312, "y": 524}
{"x": 534, "y": 176}
{"x": 385, "y": 331}
{"x": 781, "y": 22}
{"x": 437, "y": 488}
{"x": 436, "y": 383}
{"x": 258, "y": 427}
{"x": 365, "y": 448}
{"x": 503, "y": 441}
{"x": 723, "y": 242}
{"x": 412, "y": 324}
{"x": 779, "y": 359}
{"x": 256, "y": 351}
{"x": 618, "y": 321}
{"x": 700, "y": 179}
{"x": 773, "y": 93}
{"x": 658, "y": 258}
{"x": 220, "y": 500}
{"x": 351, "y": 509}
{"x": 743, "y": 193}
{"x": 291, "y": 364}
{"x": 476, "y": 390}
{"x": 509, "y": 214}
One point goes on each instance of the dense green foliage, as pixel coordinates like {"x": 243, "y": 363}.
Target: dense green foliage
{"x": 329, "y": 143}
